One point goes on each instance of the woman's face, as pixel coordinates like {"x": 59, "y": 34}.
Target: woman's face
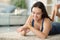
{"x": 37, "y": 13}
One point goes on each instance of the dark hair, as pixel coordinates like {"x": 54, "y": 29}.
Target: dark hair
{"x": 42, "y": 7}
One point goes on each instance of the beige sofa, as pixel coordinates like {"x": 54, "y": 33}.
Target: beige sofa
{"x": 12, "y": 18}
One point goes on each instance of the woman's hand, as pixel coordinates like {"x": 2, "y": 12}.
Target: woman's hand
{"x": 23, "y": 30}
{"x": 20, "y": 29}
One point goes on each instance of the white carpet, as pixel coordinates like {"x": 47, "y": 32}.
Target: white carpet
{"x": 30, "y": 36}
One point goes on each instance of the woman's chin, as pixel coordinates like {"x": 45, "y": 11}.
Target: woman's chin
{"x": 35, "y": 20}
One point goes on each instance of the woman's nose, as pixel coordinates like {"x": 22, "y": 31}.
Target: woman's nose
{"x": 35, "y": 15}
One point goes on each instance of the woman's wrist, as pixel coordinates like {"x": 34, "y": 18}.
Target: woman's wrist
{"x": 29, "y": 26}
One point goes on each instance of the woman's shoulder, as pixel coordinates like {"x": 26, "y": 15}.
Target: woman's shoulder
{"x": 30, "y": 17}
{"x": 29, "y": 20}
{"x": 47, "y": 23}
{"x": 47, "y": 20}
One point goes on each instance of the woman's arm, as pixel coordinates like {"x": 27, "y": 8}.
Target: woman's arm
{"x": 45, "y": 31}
{"x": 24, "y": 29}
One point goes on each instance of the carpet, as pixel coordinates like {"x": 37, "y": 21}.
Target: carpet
{"x": 30, "y": 36}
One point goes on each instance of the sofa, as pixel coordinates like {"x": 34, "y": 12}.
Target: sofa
{"x": 13, "y": 19}
{"x": 9, "y": 17}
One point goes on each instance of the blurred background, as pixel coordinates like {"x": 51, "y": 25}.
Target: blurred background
{"x": 14, "y": 13}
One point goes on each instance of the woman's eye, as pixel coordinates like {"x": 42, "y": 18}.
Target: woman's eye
{"x": 38, "y": 13}
{"x": 33, "y": 12}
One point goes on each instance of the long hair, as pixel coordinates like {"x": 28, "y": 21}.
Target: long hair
{"x": 42, "y": 7}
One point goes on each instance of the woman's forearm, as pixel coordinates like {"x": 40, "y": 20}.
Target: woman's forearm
{"x": 38, "y": 33}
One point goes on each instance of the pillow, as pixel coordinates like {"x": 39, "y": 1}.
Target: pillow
{"x": 6, "y": 8}
{"x": 9, "y": 9}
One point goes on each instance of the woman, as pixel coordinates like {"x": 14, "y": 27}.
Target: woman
{"x": 38, "y": 22}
